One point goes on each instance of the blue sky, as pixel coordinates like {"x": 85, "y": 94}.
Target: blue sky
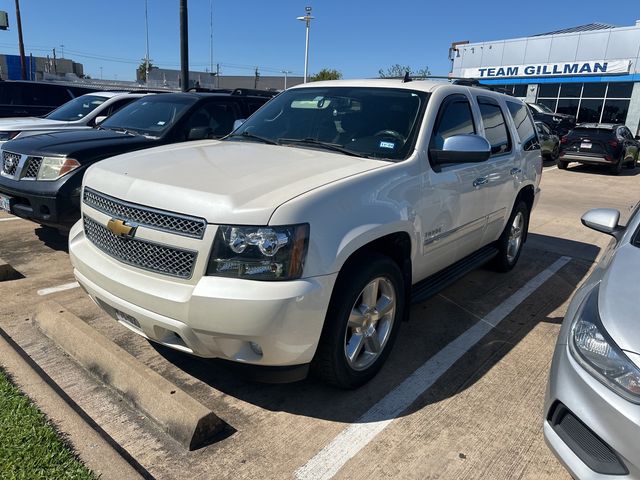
{"x": 354, "y": 36}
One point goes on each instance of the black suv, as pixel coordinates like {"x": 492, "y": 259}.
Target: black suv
{"x": 35, "y": 99}
{"x": 558, "y": 123}
{"x": 599, "y": 144}
{"x": 41, "y": 176}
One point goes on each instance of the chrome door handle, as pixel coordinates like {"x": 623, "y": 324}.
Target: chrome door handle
{"x": 515, "y": 171}
{"x": 480, "y": 181}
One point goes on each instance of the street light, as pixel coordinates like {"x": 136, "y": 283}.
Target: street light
{"x": 307, "y": 19}
{"x": 286, "y": 72}
{"x": 146, "y": 52}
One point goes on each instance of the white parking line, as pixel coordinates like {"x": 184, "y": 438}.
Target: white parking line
{"x": 357, "y": 435}
{"x": 8, "y": 219}
{"x": 59, "y": 288}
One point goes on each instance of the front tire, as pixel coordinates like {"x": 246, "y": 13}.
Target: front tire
{"x": 362, "y": 321}
{"x": 512, "y": 239}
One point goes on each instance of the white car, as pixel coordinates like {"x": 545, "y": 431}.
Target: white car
{"x": 299, "y": 239}
{"x": 85, "y": 111}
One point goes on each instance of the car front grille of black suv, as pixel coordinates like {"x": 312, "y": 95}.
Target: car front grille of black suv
{"x": 10, "y": 163}
{"x": 143, "y": 254}
{"x": 31, "y": 171}
{"x": 150, "y": 217}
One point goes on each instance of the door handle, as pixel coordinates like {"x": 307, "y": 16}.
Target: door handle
{"x": 480, "y": 181}
{"x": 515, "y": 171}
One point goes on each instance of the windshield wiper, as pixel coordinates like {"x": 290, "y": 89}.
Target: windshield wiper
{"x": 246, "y": 134}
{"x": 334, "y": 147}
{"x": 123, "y": 130}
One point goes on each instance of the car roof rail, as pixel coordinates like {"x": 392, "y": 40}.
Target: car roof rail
{"x": 209, "y": 90}
{"x": 254, "y": 92}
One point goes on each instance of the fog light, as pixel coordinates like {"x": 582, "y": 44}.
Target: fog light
{"x": 256, "y": 348}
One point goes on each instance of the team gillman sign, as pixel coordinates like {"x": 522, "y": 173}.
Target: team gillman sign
{"x": 603, "y": 67}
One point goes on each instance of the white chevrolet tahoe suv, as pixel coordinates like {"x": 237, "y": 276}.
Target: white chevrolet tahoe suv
{"x": 298, "y": 241}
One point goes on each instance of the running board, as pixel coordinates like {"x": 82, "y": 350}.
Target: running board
{"x": 430, "y": 286}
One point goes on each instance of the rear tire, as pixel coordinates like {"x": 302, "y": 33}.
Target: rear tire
{"x": 362, "y": 322}
{"x": 617, "y": 168}
{"x": 631, "y": 164}
{"x": 512, "y": 239}
{"x": 562, "y": 165}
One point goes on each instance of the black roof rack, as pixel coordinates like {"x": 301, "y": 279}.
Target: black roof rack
{"x": 209, "y": 90}
{"x": 254, "y": 92}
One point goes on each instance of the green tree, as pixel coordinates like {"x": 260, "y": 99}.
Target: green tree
{"x": 142, "y": 70}
{"x": 326, "y": 74}
{"x": 398, "y": 70}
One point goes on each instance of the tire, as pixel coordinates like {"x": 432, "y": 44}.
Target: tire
{"x": 631, "y": 164}
{"x": 562, "y": 165}
{"x": 512, "y": 239}
{"x": 369, "y": 331}
{"x": 616, "y": 169}
{"x": 555, "y": 154}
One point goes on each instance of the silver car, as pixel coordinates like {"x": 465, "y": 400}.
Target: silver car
{"x": 592, "y": 406}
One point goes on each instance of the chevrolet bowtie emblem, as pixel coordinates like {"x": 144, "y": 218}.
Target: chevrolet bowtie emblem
{"x": 121, "y": 229}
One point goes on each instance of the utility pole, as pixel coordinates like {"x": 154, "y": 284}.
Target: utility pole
{"x": 211, "y": 36}
{"x": 307, "y": 19}
{"x": 184, "y": 46}
{"x": 23, "y": 61}
{"x": 256, "y": 77}
{"x": 217, "y": 75}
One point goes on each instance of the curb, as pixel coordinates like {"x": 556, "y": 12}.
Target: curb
{"x": 96, "y": 449}
{"x": 181, "y": 416}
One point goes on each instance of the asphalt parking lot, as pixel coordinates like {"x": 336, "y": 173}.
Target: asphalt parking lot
{"x": 460, "y": 396}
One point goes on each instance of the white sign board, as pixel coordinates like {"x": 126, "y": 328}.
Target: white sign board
{"x": 600, "y": 67}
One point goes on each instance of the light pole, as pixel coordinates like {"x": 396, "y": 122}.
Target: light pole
{"x": 286, "y": 72}
{"x": 146, "y": 55}
{"x": 307, "y": 19}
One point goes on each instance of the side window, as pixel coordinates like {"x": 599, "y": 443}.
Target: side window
{"x": 495, "y": 128}
{"x": 117, "y": 105}
{"x": 211, "y": 120}
{"x": 454, "y": 118}
{"x": 524, "y": 125}
{"x": 253, "y": 106}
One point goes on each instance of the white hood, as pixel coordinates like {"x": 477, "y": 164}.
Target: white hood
{"x": 25, "y": 123}
{"x": 223, "y": 182}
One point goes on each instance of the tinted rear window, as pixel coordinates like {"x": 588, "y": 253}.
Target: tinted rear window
{"x": 524, "y": 125}
{"x": 593, "y": 132}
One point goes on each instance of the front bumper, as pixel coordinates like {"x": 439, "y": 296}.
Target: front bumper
{"x": 212, "y": 317}
{"x": 52, "y": 209}
{"x": 609, "y": 417}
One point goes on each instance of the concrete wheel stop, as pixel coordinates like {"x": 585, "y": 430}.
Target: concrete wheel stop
{"x": 181, "y": 416}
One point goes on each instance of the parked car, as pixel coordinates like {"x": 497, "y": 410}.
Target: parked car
{"x": 549, "y": 142}
{"x": 20, "y": 98}
{"x": 81, "y": 113}
{"x": 41, "y": 175}
{"x": 558, "y": 123}
{"x": 299, "y": 239}
{"x": 592, "y": 405}
{"x": 599, "y": 144}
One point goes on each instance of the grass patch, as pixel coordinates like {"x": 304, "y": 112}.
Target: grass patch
{"x": 30, "y": 446}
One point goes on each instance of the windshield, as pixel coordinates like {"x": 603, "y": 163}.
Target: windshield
{"x": 363, "y": 121}
{"x": 77, "y": 108}
{"x": 540, "y": 107}
{"x": 151, "y": 116}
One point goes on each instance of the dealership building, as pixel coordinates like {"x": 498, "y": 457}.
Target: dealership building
{"x": 591, "y": 71}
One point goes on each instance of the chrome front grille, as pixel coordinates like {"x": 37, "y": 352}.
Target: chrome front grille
{"x": 149, "y": 217}
{"x": 33, "y": 166}
{"x": 141, "y": 253}
{"x": 10, "y": 163}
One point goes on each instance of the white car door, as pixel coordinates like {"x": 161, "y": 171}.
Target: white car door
{"x": 451, "y": 209}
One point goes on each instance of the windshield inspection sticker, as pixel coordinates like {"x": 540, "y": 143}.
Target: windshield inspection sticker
{"x": 384, "y": 144}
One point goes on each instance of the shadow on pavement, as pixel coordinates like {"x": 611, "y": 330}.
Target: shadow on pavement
{"x": 52, "y": 238}
{"x": 601, "y": 170}
{"x": 433, "y": 324}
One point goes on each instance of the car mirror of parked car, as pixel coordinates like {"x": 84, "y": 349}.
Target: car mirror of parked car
{"x": 603, "y": 220}
{"x": 238, "y": 122}
{"x": 637, "y": 137}
{"x": 99, "y": 119}
{"x": 199, "y": 133}
{"x": 462, "y": 149}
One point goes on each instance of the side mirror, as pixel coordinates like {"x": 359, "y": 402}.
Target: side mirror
{"x": 603, "y": 220}
{"x": 462, "y": 149}
{"x": 99, "y": 119}
{"x": 637, "y": 137}
{"x": 238, "y": 122}
{"x": 198, "y": 133}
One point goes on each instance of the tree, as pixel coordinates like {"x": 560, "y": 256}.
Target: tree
{"x": 398, "y": 70}
{"x": 141, "y": 72}
{"x": 326, "y": 74}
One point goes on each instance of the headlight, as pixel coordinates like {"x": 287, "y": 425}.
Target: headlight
{"x": 592, "y": 347}
{"x": 53, "y": 168}
{"x": 259, "y": 253}
{"x": 6, "y": 136}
